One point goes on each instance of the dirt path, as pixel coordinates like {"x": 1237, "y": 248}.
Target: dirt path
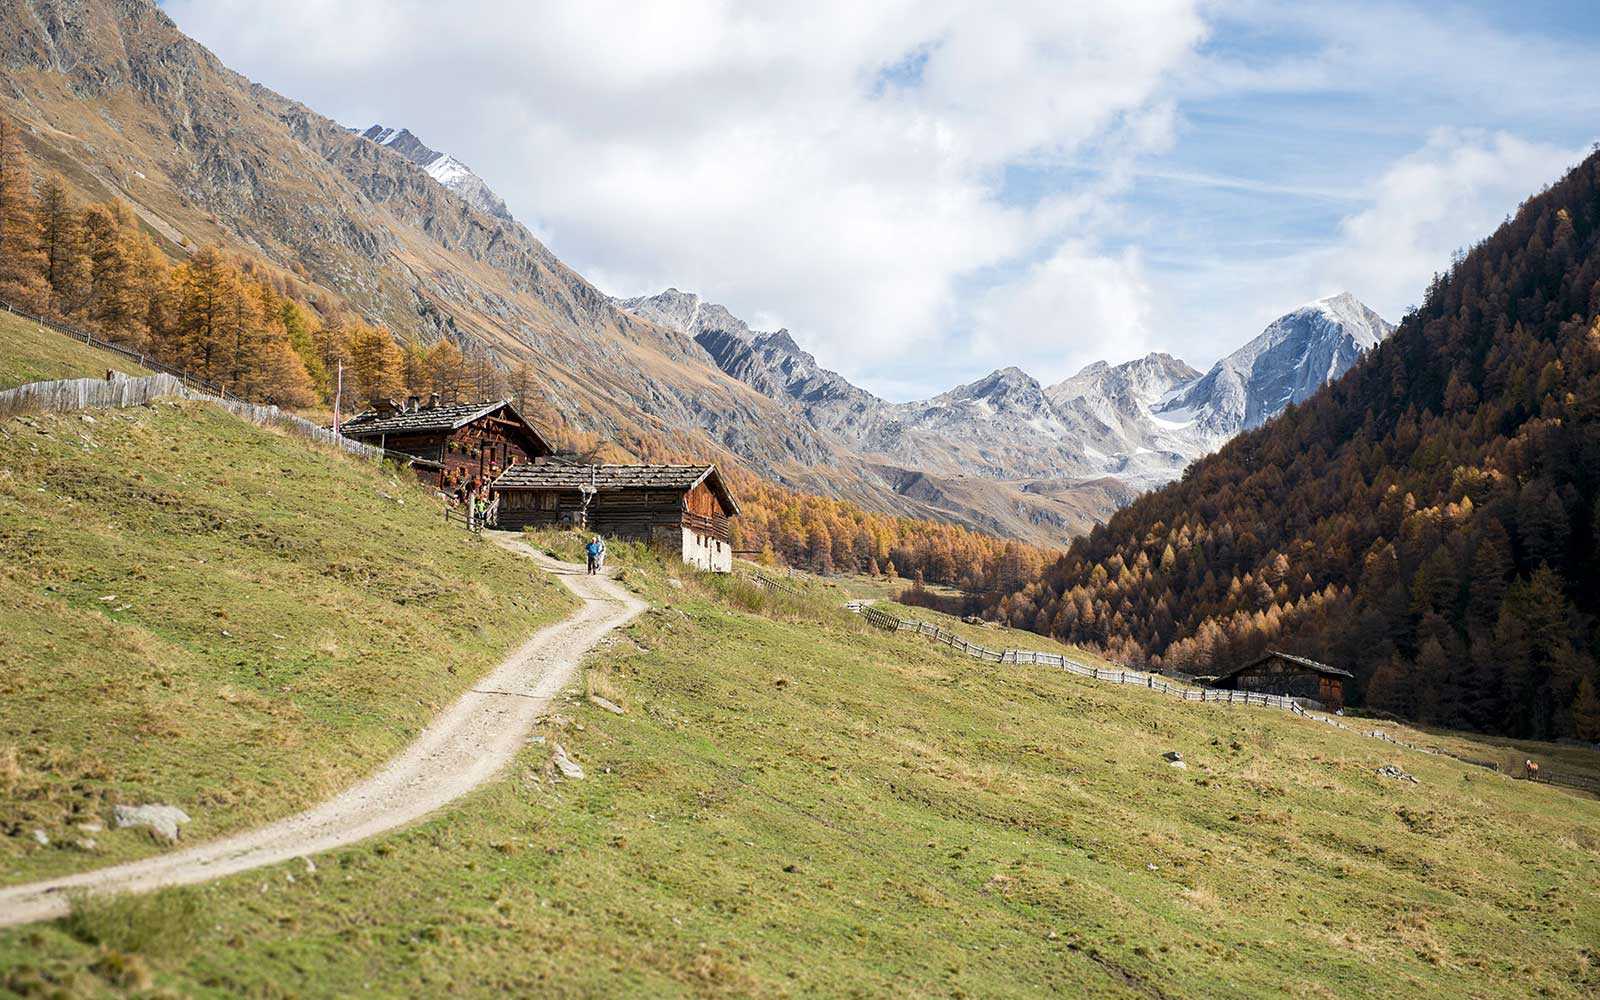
{"x": 462, "y": 748}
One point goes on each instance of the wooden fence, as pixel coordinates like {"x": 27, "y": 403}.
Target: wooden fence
{"x": 1153, "y": 682}
{"x": 93, "y": 393}
{"x": 762, "y": 580}
{"x": 1135, "y": 678}
{"x": 140, "y": 358}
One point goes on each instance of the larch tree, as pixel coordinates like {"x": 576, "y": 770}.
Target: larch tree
{"x": 445, "y": 370}
{"x": 22, "y": 280}
{"x": 65, "y": 266}
{"x": 377, "y": 366}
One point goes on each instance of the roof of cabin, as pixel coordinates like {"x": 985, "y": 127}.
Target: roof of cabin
{"x": 1273, "y": 654}
{"x": 446, "y": 417}
{"x": 610, "y": 478}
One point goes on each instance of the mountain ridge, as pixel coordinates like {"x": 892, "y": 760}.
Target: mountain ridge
{"x": 442, "y": 167}
{"x": 1141, "y": 421}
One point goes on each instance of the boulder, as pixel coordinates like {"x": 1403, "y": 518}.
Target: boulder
{"x": 1390, "y": 771}
{"x": 609, "y": 706}
{"x": 569, "y": 768}
{"x": 163, "y": 820}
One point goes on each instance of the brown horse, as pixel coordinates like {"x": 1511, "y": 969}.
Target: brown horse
{"x": 1530, "y": 770}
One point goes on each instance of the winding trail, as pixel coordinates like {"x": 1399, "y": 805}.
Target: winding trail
{"x": 465, "y": 746}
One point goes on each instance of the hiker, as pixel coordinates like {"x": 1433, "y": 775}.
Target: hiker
{"x": 597, "y": 555}
{"x": 482, "y": 510}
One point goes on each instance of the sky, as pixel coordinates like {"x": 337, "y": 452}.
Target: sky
{"x": 923, "y": 192}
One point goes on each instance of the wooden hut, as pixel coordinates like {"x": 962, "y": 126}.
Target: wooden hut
{"x": 1287, "y": 674}
{"x": 683, "y": 507}
{"x": 453, "y": 445}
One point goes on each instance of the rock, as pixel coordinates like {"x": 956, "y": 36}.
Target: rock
{"x": 86, "y": 844}
{"x": 674, "y": 583}
{"x": 1172, "y": 755}
{"x": 311, "y": 866}
{"x": 609, "y": 706}
{"x": 41, "y": 838}
{"x": 1390, "y": 771}
{"x": 94, "y": 826}
{"x": 162, "y": 820}
{"x": 1180, "y": 765}
{"x": 568, "y": 767}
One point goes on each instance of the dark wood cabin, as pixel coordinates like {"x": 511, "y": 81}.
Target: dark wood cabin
{"x": 451, "y": 446}
{"x": 1290, "y": 675}
{"x": 683, "y": 507}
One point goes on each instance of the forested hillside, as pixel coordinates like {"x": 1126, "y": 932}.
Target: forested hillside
{"x": 1429, "y": 522}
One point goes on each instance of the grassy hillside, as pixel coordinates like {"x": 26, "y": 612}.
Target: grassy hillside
{"x": 201, "y": 612}
{"x": 793, "y": 805}
{"x": 32, "y": 353}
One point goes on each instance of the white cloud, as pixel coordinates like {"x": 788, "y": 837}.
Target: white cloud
{"x": 1076, "y": 307}
{"x": 1448, "y": 195}
{"x": 844, "y": 168}
{"x": 757, "y": 153}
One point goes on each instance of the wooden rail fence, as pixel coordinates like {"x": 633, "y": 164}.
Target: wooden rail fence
{"x": 67, "y": 395}
{"x": 762, "y": 580}
{"x": 139, "y": 357}
{"x": 1153, "y": 682}
{"x": 1135, "y": 678}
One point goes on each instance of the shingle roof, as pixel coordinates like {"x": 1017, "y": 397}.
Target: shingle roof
{"x": 608, "y": 478}
{"x": 1313, "y": 665}
{"x": 447, "y": 417}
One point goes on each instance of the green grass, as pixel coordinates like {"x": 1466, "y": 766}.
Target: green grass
{"x": 797, "y": 805}
{"x": 33, "y": 353}
{"x": 201, "y": 612}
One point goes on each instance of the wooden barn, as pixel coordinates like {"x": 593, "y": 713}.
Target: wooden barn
{"x": 452, "y": 446}
{"x": 1286, "y": 674}
{"x": 683, "y": 507}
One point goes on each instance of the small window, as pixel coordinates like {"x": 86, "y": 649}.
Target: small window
{"x": 547, "y": 501}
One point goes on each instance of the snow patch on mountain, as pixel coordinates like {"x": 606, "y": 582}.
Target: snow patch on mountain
{"x": 1290, "y": 360}
{"x": 1141, "y": 422}
{"x": 442, "y": 167}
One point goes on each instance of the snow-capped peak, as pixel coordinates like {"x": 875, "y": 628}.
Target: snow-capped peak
{"x": 445, "y": 169}
{"x": 1291, "y": 359}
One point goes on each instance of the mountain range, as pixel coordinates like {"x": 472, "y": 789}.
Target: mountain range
{"x": 1139, "y": 423}
{"x": 115, "y": 98}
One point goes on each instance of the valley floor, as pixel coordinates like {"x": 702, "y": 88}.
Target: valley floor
{"x": 794, "y": 805}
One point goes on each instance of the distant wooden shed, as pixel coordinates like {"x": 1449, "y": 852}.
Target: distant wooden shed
{"x": 1286, "y": 674}
{"x": 451, "y": 445}
{"x": 686, "y": 508}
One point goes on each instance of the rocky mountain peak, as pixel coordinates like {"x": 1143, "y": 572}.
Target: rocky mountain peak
{"x": 1296, "y": 355}
{"x": 445, "y": 169}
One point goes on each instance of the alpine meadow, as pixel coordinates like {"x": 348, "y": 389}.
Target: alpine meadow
{"x": 917, "y": 499}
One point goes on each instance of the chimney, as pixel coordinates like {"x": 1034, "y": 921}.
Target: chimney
{"x": 433, "y": 400}
{"x": 385, "y": 407}
{"x": 413, "y": 404}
